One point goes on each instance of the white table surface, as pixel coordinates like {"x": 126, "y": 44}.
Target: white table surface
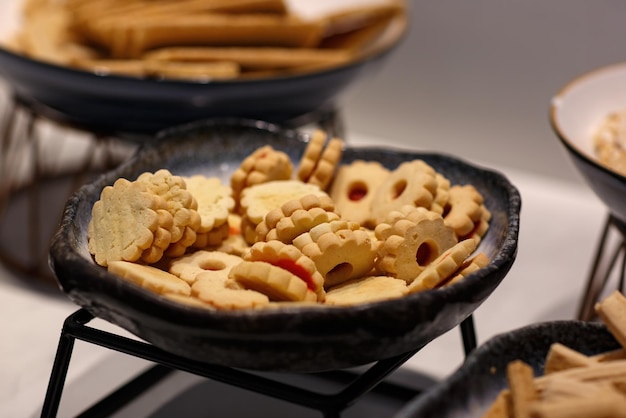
{"x": 560, "y": 226}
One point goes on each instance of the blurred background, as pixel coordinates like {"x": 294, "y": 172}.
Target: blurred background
{"x": 475, "y": 78}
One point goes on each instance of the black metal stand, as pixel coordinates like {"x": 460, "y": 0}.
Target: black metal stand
{"x": 600, "y": 271}
{"x": 330, "y": 405}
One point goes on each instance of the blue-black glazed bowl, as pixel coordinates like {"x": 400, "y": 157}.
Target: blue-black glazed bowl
{"x": 302, "y": 338}
{"x": 137, "y": 108}
{"x": 472, "y": 388}
{"x": 576, "y": 111}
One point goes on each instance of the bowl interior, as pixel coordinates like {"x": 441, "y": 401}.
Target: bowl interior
{"x": 290, "y": 338}
{"x": 581, "y": 106}
{"x": 576, "y": 112}
{"x": 470, "y": 390}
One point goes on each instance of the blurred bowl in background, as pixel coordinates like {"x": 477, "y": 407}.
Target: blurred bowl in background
{"x": 122, "y": 104}
{"x": 576, "y": 112}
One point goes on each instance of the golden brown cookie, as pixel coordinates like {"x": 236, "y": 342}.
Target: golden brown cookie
{"x": 290, "y": 258}
{"x": 296, "y": 217}
{"x": 412, "y": 240}
{"x": 411, "y": 183}
{"x": 325, "y": 168}
{"x": 442, "y": 194}
{"x": 465, "y": 211}
{"x": 341, "y": 255}
{"x": 180, "y": 203}
{"x": 214, "y": 292}
{"x": 215, "y": 201}
{"x": 214, "y": 263}
{"x": 276, "y": 283}
{"x": 443, "y": 267}
{"x": 151, "y": 278}
{"x": 126, "y": 222}
{"x": 468, "y": 267}
{"x": 312, "y": 154}
{"x": 354, "y": 187}
{"x": 366, "y": 289}
{"x": 263, "y": 165}
{"x": 258, "y": 200}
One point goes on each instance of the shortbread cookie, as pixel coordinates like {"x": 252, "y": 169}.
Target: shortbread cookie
{"x": 212, "y": 291}
{"x": 277, "y": 283}
{"x": 213, "y": 263}
{"x": 442, "y": 194}
{"x": 290, "y": 258}
{"x": 468, "y": 267}
{"x": 190, "y": 301}
{"x": 125, "y": 221}
{"x": 326, "y": 227}
{"x": 354, "y": 187}
{"x": 366, "y": 289}
{"x": 325, "y": 168}
{"x": 151, "y": 278}
{"x": 265, "y": 164}
{"x": 341, "y": 255}
{"x": 180, "y": 203}
{"x": 464, "y": 210}
{"x": 296, "y": 217}
{"x": 443, "y": 267}
{"x": 312, "y": 154}
{"x": 212, "y": 238}
{"x": 215, "y": 201}
{"x": 411, "y": 241}
{"x": 412, "y": 182}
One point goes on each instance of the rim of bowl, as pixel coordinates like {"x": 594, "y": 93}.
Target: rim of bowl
{"x": 555, "y": 104}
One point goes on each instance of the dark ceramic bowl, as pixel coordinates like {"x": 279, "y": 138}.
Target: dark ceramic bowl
{"x": 575, "y": 112}
{"x": 292, "y": 338}
{"x": 126, "y": 105}
{"x": 469, "y": 391}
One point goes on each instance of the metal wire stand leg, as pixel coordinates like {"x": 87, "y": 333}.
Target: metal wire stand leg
{"x": 600, "y": 273}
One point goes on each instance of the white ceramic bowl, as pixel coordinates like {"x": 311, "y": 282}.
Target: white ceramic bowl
{"x": 575, "y": 112}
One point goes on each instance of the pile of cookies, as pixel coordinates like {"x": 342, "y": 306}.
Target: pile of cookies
{"x": 198, "y": 39}
{"x": 609, "y": 142}
{"x": 573, "y": 384}
{"x": 315, "y": 232}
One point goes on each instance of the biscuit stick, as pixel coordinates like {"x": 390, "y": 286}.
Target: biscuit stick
{"x": 561, "y": 357}
{"x": 252, "y": 57}
{"x": 612, "y": 311}
{"x": 603, "y": 406}
{"x": 130, "y": 38}
{"x": 520, "y": 378}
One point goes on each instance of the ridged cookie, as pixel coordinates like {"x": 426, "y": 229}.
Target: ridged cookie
{"x": 411, "y": 183}
{"x": 443, "y": 267}
{"x": 354, "y": 187}
{"x": 411, "y": 241}
{"x": 290, "y": 258}
{"x": 126, "y": 222}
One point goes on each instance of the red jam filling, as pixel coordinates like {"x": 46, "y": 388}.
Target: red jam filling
{"x": 297, "y": 270}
